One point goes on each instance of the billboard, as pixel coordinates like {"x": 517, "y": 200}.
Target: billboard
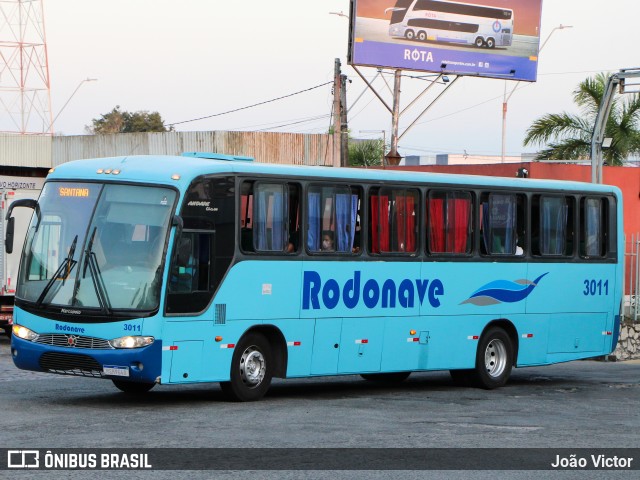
{"x": 488, "y": 38}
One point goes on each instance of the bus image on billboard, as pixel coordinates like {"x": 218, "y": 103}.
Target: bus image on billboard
{"x": 452, "y": 22}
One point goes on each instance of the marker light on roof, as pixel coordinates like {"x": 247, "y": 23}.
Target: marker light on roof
{"x": 107, "y": 171}
{"x": 100, "y": 170}
{"x": 51, "y": 170}
{"x": 116, "y": 172}
{"x": 175, "y": 176}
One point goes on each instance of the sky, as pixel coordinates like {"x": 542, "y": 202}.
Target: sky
{"x": 189, "y": 59}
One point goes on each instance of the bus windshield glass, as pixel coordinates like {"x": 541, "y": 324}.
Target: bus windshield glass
{"x": 96, "y": 246}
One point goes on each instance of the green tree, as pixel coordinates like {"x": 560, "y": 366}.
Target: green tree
{"x": 118, "y": 121}
{"x": 568, "y": 136}
{"x": 366, "y": 153}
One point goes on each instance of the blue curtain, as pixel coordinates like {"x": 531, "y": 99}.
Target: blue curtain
{"x": 260, "y": 226}
{"x": 354, "y": 216}
{"x": 485, "y": 227}
{"x": 278, "y": 224}
{"x": 593, "y": 240}
{"x": 343, "y": 222}
{"x": 502, "y": 209}
{"x": 273, "y": 238}
{"x": 554, "y": 219}
{"x": 313, "y": 232}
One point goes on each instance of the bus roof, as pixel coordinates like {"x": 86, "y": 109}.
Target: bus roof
{"x": 159, "y": 169}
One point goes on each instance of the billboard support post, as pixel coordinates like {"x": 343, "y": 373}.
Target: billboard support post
{"x": 393, "y": 157}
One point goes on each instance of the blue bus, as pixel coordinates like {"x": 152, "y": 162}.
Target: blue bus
{"x": 148, "y": 270}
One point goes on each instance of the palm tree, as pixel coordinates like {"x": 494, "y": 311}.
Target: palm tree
{"x": 568, "y": 136}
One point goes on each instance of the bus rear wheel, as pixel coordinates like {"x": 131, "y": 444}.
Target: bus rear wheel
{"x": 409, "y": 35}
{"x": 494, "y": 359}
{"x": 491, "y": 43}
{"x": 251, "y": 369}
{"x": 394, "y": 377}
{"x": 422, "y": 36}
{"x": 479, "y": 42}
{"x": 134, "y": 388}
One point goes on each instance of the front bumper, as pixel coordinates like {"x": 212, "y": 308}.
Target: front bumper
{"x": 135, "y": 365}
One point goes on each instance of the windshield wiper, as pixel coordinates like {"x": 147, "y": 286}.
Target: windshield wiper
{"x": 91, "y": 262}
{"x": 65, "y": 267}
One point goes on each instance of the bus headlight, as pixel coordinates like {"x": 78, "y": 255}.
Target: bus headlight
{"x": 131, "y": 342}
{"x": 24, "y": 333}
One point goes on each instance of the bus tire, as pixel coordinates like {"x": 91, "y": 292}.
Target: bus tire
{"x": 422, "y": 36}
{"x": 251, "y": 369}
{"x": 394, "y": 377}
{"x": 491, "y": 42}
{"x": 479, "y": 42}
{"x": 409, "y": 34}
{"x": 133, "y": 388}
{"x": 494, "y": 359}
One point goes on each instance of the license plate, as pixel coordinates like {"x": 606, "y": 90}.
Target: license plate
{"x": 115, "y": 370}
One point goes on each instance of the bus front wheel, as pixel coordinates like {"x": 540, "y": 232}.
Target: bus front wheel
{"x": 494, "y": 359}
{"x": 134, "y": 388}
{"x": 409, "y": 35}
{"x": 251, "y": 369}
{"x": 479, "y": 42}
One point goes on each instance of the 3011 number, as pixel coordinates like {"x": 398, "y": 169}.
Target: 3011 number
{"x": 596, "y": 287}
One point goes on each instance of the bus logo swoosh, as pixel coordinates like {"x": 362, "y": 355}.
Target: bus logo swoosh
{"x": 503, "y": 291}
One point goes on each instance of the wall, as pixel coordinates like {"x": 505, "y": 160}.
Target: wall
{"x": 264, "y": 147}
{"x": 43, "y": 151}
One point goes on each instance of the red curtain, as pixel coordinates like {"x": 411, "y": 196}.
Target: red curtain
{"x": 436, "y": 225}
{"x": 375, "y": 245}
{"x": 460, "y": 226}
{"x": 384, "y": 222}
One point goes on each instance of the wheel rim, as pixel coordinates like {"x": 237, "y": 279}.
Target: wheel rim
{"x": 495, "y": 358}
{"x": 253, "y": 367}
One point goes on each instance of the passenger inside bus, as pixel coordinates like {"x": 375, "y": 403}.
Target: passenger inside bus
{"x": 327, "y": 241}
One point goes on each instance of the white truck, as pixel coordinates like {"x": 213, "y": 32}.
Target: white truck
{"x": 12, "y": 189}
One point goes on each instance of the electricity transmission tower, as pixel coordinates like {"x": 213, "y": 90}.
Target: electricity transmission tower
{"x": 25, "y": 95}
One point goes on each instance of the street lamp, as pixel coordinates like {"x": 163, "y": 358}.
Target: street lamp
{"x": 69, "y": 99}
{"x": 507, "y": 97}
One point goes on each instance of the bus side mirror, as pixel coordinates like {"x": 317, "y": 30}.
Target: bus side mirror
{"x": 11, "y": 221}
{"x": 8, "y": 241}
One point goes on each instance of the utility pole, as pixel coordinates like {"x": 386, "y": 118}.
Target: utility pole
{"x": 337, "y": 127}
{"x": 344, "y": 129}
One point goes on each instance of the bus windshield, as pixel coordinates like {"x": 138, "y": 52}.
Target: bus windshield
{"x": 95, "y": 246}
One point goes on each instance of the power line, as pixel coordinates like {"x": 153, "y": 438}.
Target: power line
{"x": 249, "y": 106}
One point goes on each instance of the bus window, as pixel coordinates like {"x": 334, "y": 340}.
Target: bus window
{"x": 449, "y": 222}
{"x": 502, "y": 224}
{"x": 393, "y": 225}
{"x": 45, "y": 257}
{"x": 332, "y": 214}
{"x": 593, "y": 227}
{"x": 269, "y": 217}
{"x": 203, "y": 252}
{"x": 552, "y": 223}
